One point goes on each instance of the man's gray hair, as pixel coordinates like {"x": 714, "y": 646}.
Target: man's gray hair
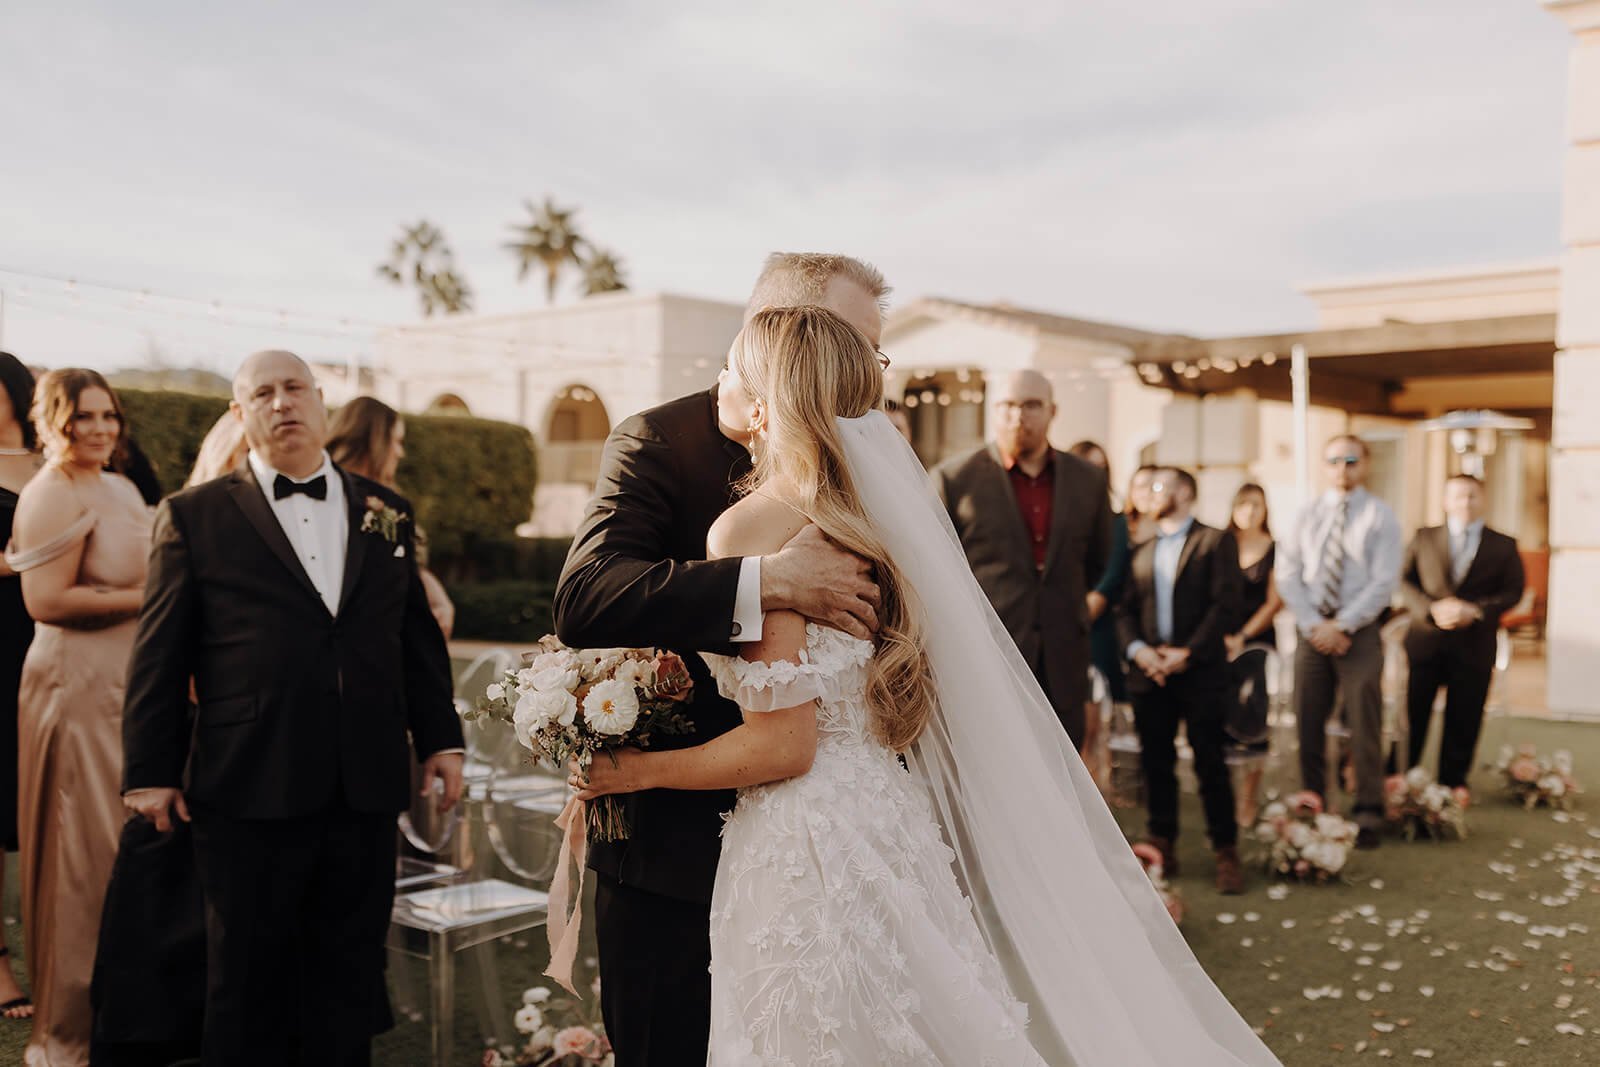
{"x": 791, "y": 279}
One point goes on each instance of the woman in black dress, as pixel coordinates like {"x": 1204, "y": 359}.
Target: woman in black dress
{"x": 19, "y": 461}
{"x": 1247, "y": 714}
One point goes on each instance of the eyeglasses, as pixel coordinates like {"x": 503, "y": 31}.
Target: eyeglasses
{"x": 883, "y": 360}
{"x": 1027, "y": 407}
{"x": 1348, "y": 461}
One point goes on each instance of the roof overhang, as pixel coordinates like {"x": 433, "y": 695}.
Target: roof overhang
{"x": 1361, "y": 370}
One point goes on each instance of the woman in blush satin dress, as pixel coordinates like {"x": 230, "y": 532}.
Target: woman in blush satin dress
{"x": 80, "y": 542}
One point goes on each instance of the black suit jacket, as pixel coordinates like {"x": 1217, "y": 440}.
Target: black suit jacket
{"x": 1493, "y": 582}
{"x": 637, "y": 576}
{"x": 1045, "y": 612}
{"x": 1205, "y": 605}
{"x": 298, "y": 708}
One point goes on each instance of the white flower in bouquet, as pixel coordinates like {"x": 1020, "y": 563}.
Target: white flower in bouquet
{"x": 632, "y": 671}
{"x": 600, "y": 662}
{"x": 612, "y": 707}
{"x": 496, "y": 691}
{"x": 1418, "y": 778}
{"x": 554, "y": 677}
{"x": 1276, "y": 810}
{"x": 529, "y": 1019}
{"x": 537, "y": 995}
{"x": 1507, "y": 754}
{"x": 1554, "y": 784}
{"x": 1299, "y": 834}
{"x": 1562, "y": 761}
{"x": 535, "y": 710}
{"x": 1266, "y": 833}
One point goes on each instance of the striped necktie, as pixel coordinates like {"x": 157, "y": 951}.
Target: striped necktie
{"x": 1333, "y": 562}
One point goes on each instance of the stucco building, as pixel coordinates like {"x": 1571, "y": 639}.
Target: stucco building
{"x": 1388, "y": 355}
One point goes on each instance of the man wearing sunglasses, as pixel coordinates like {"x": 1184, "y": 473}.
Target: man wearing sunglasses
{"x": 1337, "y": 571}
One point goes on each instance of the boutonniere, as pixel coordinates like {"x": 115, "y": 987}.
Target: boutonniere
{"x": 382, "y": 519}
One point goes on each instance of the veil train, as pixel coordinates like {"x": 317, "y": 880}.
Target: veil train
{"x": 1080, "y": 932}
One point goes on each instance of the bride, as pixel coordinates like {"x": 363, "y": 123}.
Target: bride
{"x": 918, "y": 870}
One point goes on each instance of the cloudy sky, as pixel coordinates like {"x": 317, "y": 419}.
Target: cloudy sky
{"x": 1174, "y": 164}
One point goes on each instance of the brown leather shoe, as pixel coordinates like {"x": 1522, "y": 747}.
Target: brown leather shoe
{"x": 1230, "y": 873}
{"x": 1169, "y": 856}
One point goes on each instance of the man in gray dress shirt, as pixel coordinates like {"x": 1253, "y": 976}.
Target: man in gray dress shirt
{"x": 1336, "y": 572}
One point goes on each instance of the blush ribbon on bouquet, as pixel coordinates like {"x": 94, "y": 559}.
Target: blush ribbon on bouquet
{"x": 560, "y": 928}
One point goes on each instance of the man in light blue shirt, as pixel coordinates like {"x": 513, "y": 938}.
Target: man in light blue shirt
{"x": 1179, "y": 601}
{"x": 1337, "y": 571}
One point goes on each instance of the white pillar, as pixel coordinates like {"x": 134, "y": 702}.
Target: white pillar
{"x": 1574, "y": 613}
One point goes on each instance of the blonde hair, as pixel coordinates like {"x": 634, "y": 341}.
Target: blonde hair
{"x": 807, "y": 367}
{"x": 55, "y": 403}
{"x": 222, "y": 452}
{"x": 794, "y": 279}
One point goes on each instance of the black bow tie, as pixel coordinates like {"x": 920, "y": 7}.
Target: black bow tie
{"x": 316, "y": 488}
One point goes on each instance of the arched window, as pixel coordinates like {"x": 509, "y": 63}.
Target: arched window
{"x": 448, "y": 404}
{"x": 575, "y": 430}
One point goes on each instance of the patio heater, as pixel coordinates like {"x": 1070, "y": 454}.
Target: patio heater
{"x": 1473, "y": 435}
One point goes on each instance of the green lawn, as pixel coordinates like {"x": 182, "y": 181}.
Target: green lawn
{"x": 1469, "y": 951}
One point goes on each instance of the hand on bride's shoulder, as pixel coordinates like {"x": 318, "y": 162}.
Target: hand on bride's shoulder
{"x": 802, "y": 570}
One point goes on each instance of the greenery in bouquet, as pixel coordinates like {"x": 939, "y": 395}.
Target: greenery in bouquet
{"x": 1421, "y": 807}
{"x": 1303, "y": 842}
{"x": 581, "y": 703}
{"x": 555, "y": 1034}
{"x": 1534, "y": 779}
{"x": 1150, "y": 859}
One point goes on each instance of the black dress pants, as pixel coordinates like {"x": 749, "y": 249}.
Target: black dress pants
{"x": 296, "y": 915}
{"x": 655, "y": 975}
{"x": 1157, "y": 711}
{"x": 1464, "y": 665}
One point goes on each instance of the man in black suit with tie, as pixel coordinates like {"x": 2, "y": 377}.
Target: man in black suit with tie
{"x": 1180, "y": 599}
{"x": 288, "y": 593}
{"x": 1458, "y": 579}
{"x": 1035, "y": 523}
{"x": 637, "y": 576}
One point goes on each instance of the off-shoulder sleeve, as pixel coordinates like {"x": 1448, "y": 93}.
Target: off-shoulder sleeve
{"x": 828, "y": 672}
{"x": 55, "y": 548}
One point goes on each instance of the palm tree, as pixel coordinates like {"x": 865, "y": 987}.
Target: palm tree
{"x": 421, "y": 254}
{"x": 549, "y": 238}
{"x": 602, "y": 272}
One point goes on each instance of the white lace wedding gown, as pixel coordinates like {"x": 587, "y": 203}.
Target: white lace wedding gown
{"x": 839, "y": 934}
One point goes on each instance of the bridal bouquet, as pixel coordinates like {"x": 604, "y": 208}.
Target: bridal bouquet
{"x": 579, "y": 703}
{"x": 1421, "y": 806}
{"x": 1303, "y": 842}
{"x": 1535, "y": 779}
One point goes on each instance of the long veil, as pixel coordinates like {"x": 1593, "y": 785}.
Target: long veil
{"x": 1080, "y": 932}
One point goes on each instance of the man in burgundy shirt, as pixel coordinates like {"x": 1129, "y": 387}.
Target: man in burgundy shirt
{"x": 1036, "y": 526}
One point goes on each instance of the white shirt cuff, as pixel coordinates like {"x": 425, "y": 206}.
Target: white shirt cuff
{"x": 747, "y": 616}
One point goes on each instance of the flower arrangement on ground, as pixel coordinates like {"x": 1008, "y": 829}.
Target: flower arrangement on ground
{"x": 1150, "y": 859}
{"x": 551, "y": 1036}
{"x": 570, "y": 703}
{"x": 1302, "y": 841}
{"x": 1534, "y": 779}
{"x": 1421, "y": 806}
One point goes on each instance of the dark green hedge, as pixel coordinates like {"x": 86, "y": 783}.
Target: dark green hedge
{"x": 169, "y": 427}
{"x": 512, "y": 611}
{"x": 471, "y": 480}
